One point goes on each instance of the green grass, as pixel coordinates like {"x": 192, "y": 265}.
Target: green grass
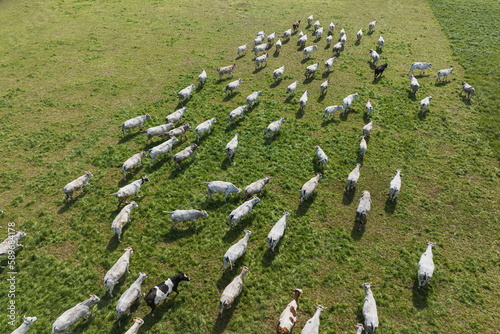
{"x": 73, "y": 71}
{"x": 477, "y": 52}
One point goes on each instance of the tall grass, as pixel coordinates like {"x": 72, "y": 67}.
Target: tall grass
{"x": 73, "y": 71}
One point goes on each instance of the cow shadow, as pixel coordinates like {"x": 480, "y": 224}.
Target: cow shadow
{"x": 366, "y": 119}
{"x": 308, "y": 80}
{"x": 258, "y": 69}
{"x": 321, "y": 97}
{"x": 441, "y": 83}
{"x": 372, "y": 65}
{"x": 232, "y": 125}
{"x": 160, "y": 311}
{"x": 176, "y": 233}
{"x": 289, "y": 98}
{"x": 226, "y": 163}
{"x": 412, "y": 96}
{"x": 305, "y": 205}
{"x": 121, "y": 324}
{"x": 276, "y": 53}
{"x": 268, "y": 140}
{"x": 269, "y": 255}
{"x": 182, "y": 169}
{"x": 113, "y": 242}
{"x": 276, "y": 83}
{"x": 420, "y": 296}
{"x": 221, "y": 322}
{"x": 328, "y": 121}
{"x": 68, "y": 204}
{"x": 357, "y": 43}
{"x": 326, "y": 74}
{"x": 360, "y": 158}
{"x": 390, "y": 206}
{"x": 358, "y": 229}
{"x": 229, "y": 96}
{"x": 299, "y": 114}
{"x": 227, "y": 276}
{"x": 377, "y": 79}
{"x": 236, "y": 232}
{"x": 305, "y": 60}
{"x": 348, "y": 196}
{"x": 240, "y": 56}
{"x": 422, "y": 115}
{"x": 158, "y": 164}
{"x": 344, "y": 116}
{"x": 327, "y": 47}
{"x": 128, "y": 136}
{"x": 421, "y": 76}
{"x": 466, "y": 100}
{"x": 82, "y": 327}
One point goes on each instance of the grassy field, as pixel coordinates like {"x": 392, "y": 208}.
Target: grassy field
{"x": 477, "y": 53}
{"x": 73, "y": 71}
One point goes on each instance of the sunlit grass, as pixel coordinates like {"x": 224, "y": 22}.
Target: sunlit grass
{"x": 73, "y": 71}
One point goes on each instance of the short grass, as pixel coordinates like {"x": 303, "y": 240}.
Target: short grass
{"x": 73, "y": 71}
{"x": 477, "y": 52}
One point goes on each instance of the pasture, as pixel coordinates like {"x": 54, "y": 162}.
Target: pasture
{"x": 74, "y": 70}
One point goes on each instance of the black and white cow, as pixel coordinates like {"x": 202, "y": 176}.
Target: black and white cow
{"x": 161, "y": 291}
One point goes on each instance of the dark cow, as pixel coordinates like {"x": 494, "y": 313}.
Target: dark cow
{"x": 379, "y": 70}
{"x": 161, "y": 291}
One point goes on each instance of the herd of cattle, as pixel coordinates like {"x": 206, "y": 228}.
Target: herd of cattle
{"x": 161, "y": 291}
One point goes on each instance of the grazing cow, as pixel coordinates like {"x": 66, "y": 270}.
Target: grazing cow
{"x": 221, "y": 187}
{"x": 134, "y": 122}
{"x": 419, "y": 66}
{"x": 77, "y": 184}
{"x": 468, "y": 89}
{"x": 161, "y": 291}
{"x": 129, "y": 297}
{"x": 395, "y": 186}
{"x": 426, "y": 266}
{"x": 277, "y": 232}
{"x": 131, "y": 189}
{"x": 23, "y": 329}
{"x": 71, "y": 316}
{"x": 241, "y": 211}
{"x": 353, "y": 178}
{"x": 379, "y": 70}
{"x": 363, "y": 208}
{"x": 256, "y": 187}
{"x": 444, "y": 73}
{"x": 288, "y": 317}
{"x": 312, "y": 325}
{"x": 11, "y": 243}
{"x": 370, "y": 310}
{"x": 237, "y": 250}
{"x": 118, "y": 270}
{"x": 227, "y": 70}
{"x": 309, "y": 187}
{"x": 232, "y": 291}
{"x": 138, "y": 322}
{"x": 184, "y": 154}
{"x": 186, "y": 215}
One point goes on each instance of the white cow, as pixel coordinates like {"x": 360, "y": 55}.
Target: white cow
{"x": 277, "y": 232}
{"x": 71, "y": 316}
